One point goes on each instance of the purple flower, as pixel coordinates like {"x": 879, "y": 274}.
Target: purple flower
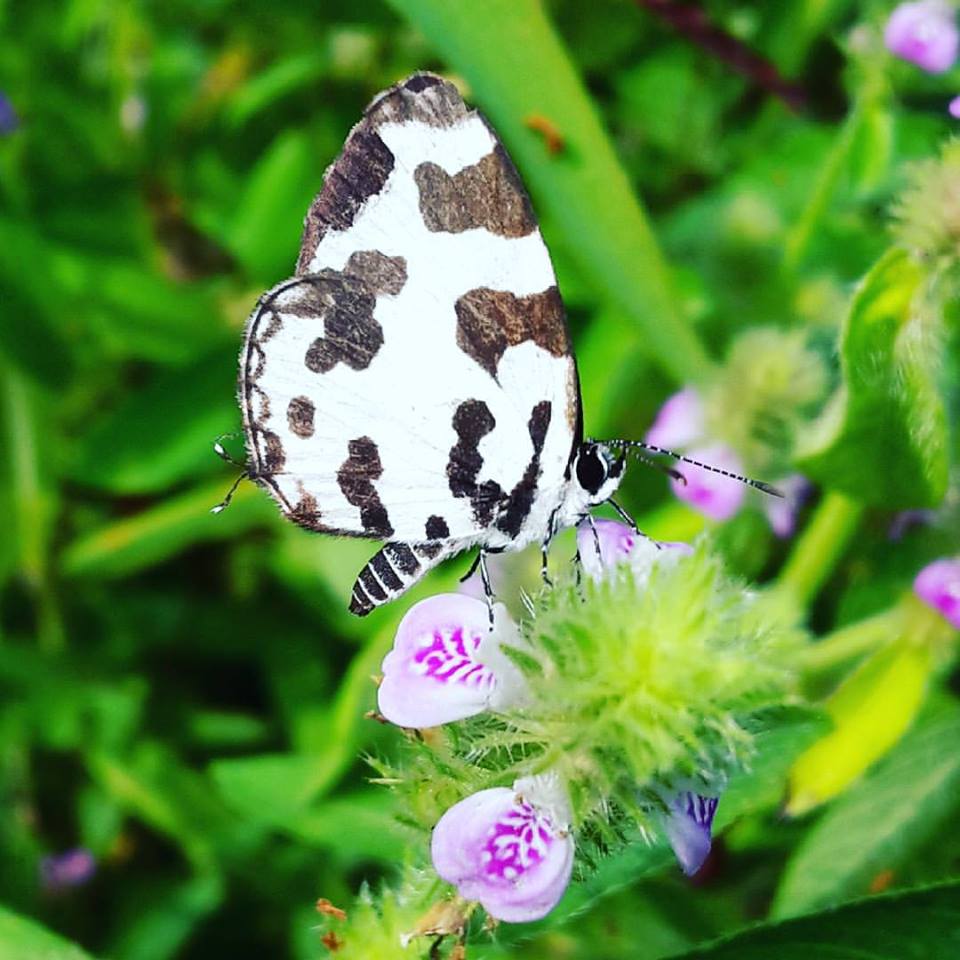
{"x": 510, "y": 849}
{"x": 447, "y": 663}
{"x": 615, "y": 543}
{"x": 954, "y": 108}
{"x": 63, "y": 871}
{"x": 9, "y": 121}
{"x": 687, "y": 825}
{"x": 938, "y": 586}
{"x": 680, "y": 421}
{"x": 925, "y": 33}
{"x": 681, "y": 426}
{"x": 713, "y": 494}
{"x": 782, "y": 511}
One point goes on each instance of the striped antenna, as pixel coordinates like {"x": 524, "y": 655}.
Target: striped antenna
{"x": 641, "y": 445}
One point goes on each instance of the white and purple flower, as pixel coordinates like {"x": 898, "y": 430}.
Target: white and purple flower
{"x": 680, "y": 426}
{"x": 688, "y": 825}
{"x": 925, "y": 34}
{"x": 938, "y": 586}
{"x": 605, "y": 544}
{"x": 447, "y": 663}
{"x": 509, "y": 849}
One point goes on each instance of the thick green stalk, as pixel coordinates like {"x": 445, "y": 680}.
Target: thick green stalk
{"x": 850, "y": 642}
{"x": 522, "y": 77}
{"x": 819, "y": 548}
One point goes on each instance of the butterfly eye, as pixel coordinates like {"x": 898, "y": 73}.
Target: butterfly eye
{"x": 591, "y": 468}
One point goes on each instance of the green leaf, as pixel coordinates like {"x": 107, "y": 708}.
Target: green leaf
{"x": 880, "y": 822}
{"x": 883, "y": 438}
{"x": 35, "y": 308}
{"x": 125, "y": 546}
{"x": 920, "y": 924}
{"x": 162, "y": 433}
{"x": 870, "y": 710}
{"x": 268, "y": 219}
{"x": 518, "y": 69}
{"x": 22, "y": 939}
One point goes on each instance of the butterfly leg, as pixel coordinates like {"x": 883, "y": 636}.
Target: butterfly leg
{"x": 487, "y": 586}
{"x": 626, "y": 518}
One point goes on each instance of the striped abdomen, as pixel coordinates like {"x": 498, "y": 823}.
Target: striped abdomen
{"x": 394, "y": 569}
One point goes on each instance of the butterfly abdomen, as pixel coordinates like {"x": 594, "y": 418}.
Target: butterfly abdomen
{"x": 394, "y": 569}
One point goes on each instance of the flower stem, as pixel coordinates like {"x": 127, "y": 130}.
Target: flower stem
{"x": 819, "y": 548}
{"x": 850, "y": 642}
{"x": 800, "y": 234}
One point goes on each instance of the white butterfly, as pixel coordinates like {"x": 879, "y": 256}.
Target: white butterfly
{"x": 414, "y": 382}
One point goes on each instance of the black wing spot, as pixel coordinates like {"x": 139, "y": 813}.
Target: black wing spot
{"x": 472, "y": 421}
{"x": 521, "y": 497}
{"x": 436, "y": 528}
{"x": 356, "y": 477}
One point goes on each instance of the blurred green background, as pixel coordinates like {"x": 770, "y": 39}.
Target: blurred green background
{"x": 183, "y": 694}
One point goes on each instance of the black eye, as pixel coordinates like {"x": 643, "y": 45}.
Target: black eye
{"x": 591, "y": 469}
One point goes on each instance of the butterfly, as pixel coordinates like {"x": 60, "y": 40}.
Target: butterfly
{"x": 414, "y": 382}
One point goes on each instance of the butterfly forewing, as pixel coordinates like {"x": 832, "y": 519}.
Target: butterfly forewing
{"x": 414, "y": 380}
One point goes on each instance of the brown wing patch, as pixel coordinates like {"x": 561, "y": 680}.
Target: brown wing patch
{"x": 365, "y": 164}
{"x": 300, "y": 414}
{"x": 489, "y": 321}
{"x": 488, "y": 194}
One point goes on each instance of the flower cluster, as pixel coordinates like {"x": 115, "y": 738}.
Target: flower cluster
{"x": 745, "y": 422}
{"x": 621, "y": 699}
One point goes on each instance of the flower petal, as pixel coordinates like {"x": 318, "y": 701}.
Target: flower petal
{"x": 924, "y": 33}
{"x": 446, "y": 663}
{"x": 712, "y": 494}
{"x": 938, "y": 586}
{"x": 510, "y": 849}
{"x": 616, "y": 543}
{"x": 679, "y": 421}
{"x": 688, "y": 828}
{"x": 61, "y": 871}
{"x": 782, "y": 511}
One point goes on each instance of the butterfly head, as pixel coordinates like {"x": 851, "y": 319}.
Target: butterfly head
{"x": 596, "y": 471}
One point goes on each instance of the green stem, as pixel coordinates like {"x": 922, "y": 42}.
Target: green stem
{"x": 819, "y": 548}
{"x": 799, "y": 236}
{"x": 850, "y": 642}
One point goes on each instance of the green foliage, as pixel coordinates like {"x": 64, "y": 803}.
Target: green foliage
{"x": 888, "y": 420}
{"x": 924, "y": 922}
{"x": 185, "y": 695}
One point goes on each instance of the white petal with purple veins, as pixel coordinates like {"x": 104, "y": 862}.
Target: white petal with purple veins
{"x": 509, "y": 849}
{"x": 447, "y": 663}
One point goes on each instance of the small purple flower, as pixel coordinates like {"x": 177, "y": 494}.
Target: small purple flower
{"x": 925, "y": 34}
{"x": 447, "y": 663}
{"x": 9, "y": 121}
{"x": 938, "y": 586}
{"x": 679, "y": 422}
{"x": 63, "y": 871}
{"x": 615, "y": 543}
{"x": 954, "y": 108}
{"x": 510, "y": 849}
{"x": 782, "y": 511}
{"x": 688, "y": 827}
{"x": 681, "y": 426}
{"x": 713, "y": 494}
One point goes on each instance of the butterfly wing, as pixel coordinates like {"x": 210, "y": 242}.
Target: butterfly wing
{"x": 414, "y": 380}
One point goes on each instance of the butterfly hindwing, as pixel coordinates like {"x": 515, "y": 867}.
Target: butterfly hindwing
{"x": 414, "y": 380}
